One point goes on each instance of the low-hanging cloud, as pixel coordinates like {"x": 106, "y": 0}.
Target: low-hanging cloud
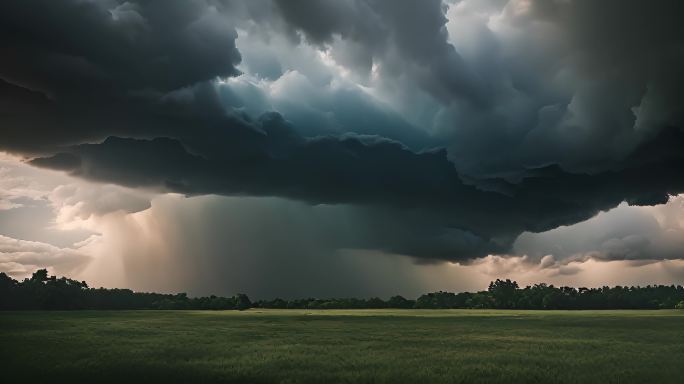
{"x": 624, "y": 233}
{"x": 220, "y": 245}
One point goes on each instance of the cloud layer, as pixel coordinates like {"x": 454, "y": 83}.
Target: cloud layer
{"x": 452, "y": 127}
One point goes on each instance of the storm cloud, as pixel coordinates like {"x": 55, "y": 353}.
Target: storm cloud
{"x": 543, "y": 114}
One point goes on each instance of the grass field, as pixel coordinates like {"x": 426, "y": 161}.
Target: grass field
{"x": 378, "y": 346}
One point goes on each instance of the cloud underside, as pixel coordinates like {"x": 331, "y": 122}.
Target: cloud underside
{"x": 515, "y": 140}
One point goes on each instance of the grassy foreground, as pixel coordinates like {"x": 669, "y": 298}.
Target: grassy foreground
{"x": 379, "y": 346}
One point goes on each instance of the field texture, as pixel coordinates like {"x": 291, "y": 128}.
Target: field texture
{"x": 370, "y": 346}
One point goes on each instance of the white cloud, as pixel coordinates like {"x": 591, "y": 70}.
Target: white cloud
{"x": 77, "y": 203}
{"x": 623, "y": 233}
{"x": 19, "y": 258}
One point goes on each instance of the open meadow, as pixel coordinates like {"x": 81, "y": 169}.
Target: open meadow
{"x": 379, "y": 346}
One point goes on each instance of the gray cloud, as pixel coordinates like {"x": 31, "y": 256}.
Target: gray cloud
{"x": 407, "y": 38}
{"x": 76, "y": 47}
{"x": 529, "y": 83}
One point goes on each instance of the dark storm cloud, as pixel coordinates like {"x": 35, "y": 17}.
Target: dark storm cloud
{"x": 69, "y": 48}
{"x": 580, "y": 83}
{"x": 424, "y": 186}
{"x": 409, "y": 38}
{"x": 627, "y": 56}
{"x": 121, "y": 92}
{"x": 102, "y": 64}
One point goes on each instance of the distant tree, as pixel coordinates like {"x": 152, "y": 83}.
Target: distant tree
{"x": 165, "y": 304}
{"x": 375, "y": 302}
{"x": 443, "y": 300}
{"x": 242, "y": 302}
{"x": 680, "y": 305}
{"x": 551, "y": 299}
{"x": 276, "y": 303}
{"x": 503, "y": 292}
{"x": 40, "y": 275}
{"x": 480, "y": 300}
{"x": 399, "y": 302}
{"x": 7, "y": 290}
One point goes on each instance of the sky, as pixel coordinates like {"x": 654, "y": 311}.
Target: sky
{"x": 318, "y": 148}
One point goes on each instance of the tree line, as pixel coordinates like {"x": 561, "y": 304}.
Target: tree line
{"x": 506, "y": 294}
{"x": 51, "y": 293}
{"x": 43, "y": 292}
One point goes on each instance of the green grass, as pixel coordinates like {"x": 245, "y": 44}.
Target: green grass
{"x": 372, "y": 346}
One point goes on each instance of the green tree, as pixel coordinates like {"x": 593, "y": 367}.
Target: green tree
{"x": 40, "y": 275}
{"x": 504, "y": 293}
{"x": 399, "y": 302}
{"x": 242, "y": 302}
